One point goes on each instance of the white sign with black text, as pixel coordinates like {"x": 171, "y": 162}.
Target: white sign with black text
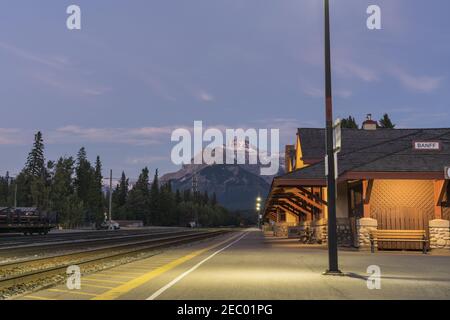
{"x": 427, "y": 145}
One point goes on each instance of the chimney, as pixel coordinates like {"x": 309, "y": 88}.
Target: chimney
{"x": 369, "y": 124}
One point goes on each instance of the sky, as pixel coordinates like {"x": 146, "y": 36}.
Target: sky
{"x": 139, "y": 69}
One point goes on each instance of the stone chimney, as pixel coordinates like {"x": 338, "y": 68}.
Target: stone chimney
{"x": 369, "y": 124}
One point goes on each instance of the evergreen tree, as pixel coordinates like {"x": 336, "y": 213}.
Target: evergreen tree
{"x": 138, "y": 198}
{"x": 205, "y": 198}
{"x": 349, "y": 123}
{"x": 187, "y": 195}
{"x": 4, "y": 190}
{"x": 214, "y": 199}
{"x": 154, "y": 200}
{"x": 386, "y": 122}
{"x": 178, "y": 197}
{"x": 120, "y": 196}
{"x": 62, "y": 188}
{"x": 35, "y": 161}
{"x": 83, "y": 180}
{"x": 167, "y": 206}
{"x": 122, "y": 190}
{"x": 95, "y": 196}
{"x": 33, "y": 180}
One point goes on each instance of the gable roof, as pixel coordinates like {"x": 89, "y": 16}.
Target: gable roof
{"x": 381, "y": 150}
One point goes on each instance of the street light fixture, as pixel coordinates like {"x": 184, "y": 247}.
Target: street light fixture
{"x": 258, "y": 210}
{"x": 333, "y": 268}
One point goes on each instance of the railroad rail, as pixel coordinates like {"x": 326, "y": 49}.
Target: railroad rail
{"x": 14, "y": 240}
{"x": 67, "y": 243}
{"x": 57, "y": 265}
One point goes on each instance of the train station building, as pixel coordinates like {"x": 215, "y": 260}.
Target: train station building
{"x": 388, "y": 179}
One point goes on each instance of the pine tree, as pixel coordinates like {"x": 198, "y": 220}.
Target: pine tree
{"x": 178, "y": 197}
{"x": 386, "y": 122}
{"x": 138, "y": 198}
{"x": 35, "y": 161}
{"x": 155, "y": 199}
{"x": 83, "y": 179}
{"x": 214, "y": 199}
{"x": 62, "y": 189}
{"x": 349, "y": 123}
{"x": 167, "y": 206}
{"x": 205, "y": 198}
{"x": 33, "y": 178}
{"x": 122, "y": 190}
{"x": 4, "y": 190}
{"x": 120, "y": 196}
{"x": 96, "y": 193}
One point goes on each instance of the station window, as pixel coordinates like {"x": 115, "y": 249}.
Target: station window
{"x": 282, "y": 217}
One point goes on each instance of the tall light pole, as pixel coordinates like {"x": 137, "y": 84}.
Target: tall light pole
{"x": 110, "y": 199}
{"x": 258, "y": 210}
{"x": 333, "y": 268}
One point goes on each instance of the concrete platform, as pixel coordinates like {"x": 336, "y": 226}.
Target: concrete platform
{"x": 248, "y": 265}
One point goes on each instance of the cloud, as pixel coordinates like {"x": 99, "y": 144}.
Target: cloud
{"x": 205, "y": 96}
{"x": 130, "y": 136}
{"x": 55, "y": 62}
{"x": 11, "y": 136}
{"x": 69, "y": 85}
{"x": 57, "y": 72}
{"x": 156, "y": 86}
{"x": 423, "y": 84}
{"x": 348, "y": 68}
{"x": 145, "y": 159}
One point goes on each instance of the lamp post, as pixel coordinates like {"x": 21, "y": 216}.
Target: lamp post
{"x": 258, "y": 210}
{"x": 333, "y": 268}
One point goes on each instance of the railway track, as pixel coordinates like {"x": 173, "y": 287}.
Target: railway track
{"x": 70, "y": 243}
{"x": 31, "y": 270}
{"x": 7, "y": 240}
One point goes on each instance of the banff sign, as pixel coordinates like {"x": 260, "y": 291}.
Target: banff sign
{"x": 427, "y": 145}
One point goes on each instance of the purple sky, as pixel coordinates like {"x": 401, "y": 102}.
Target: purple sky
{"x": 139, "y": 69}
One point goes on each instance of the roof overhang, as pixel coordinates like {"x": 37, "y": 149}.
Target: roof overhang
{"x": 397, "y": 175}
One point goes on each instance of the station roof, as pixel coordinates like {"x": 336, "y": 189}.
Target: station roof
{"x": 374, "y": 154}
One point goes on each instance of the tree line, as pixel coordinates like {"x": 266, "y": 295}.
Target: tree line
{"x": 71, "y": 190}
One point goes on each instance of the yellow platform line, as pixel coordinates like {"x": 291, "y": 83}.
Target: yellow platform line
{"x": 38, "y": 298}
{"x": 132, "y": 284}
{"x": 112, "y": 275}
{"x": 78, "y": 292}
{"x": 124, "y": 272}
{"x": 95, "y": 286}
{"x": 102, "y": 280}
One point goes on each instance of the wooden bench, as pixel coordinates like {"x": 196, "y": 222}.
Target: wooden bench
{"x": 399, "y": 236}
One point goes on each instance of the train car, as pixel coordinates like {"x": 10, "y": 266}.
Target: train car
{"x": 24, "y": 220}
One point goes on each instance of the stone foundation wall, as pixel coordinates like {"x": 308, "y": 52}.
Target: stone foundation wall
{"x": 321, "y": 229}
{"x": 439, "y": 234}
{"x": 363, "y": 228}
{"x": 280, "y": 230}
